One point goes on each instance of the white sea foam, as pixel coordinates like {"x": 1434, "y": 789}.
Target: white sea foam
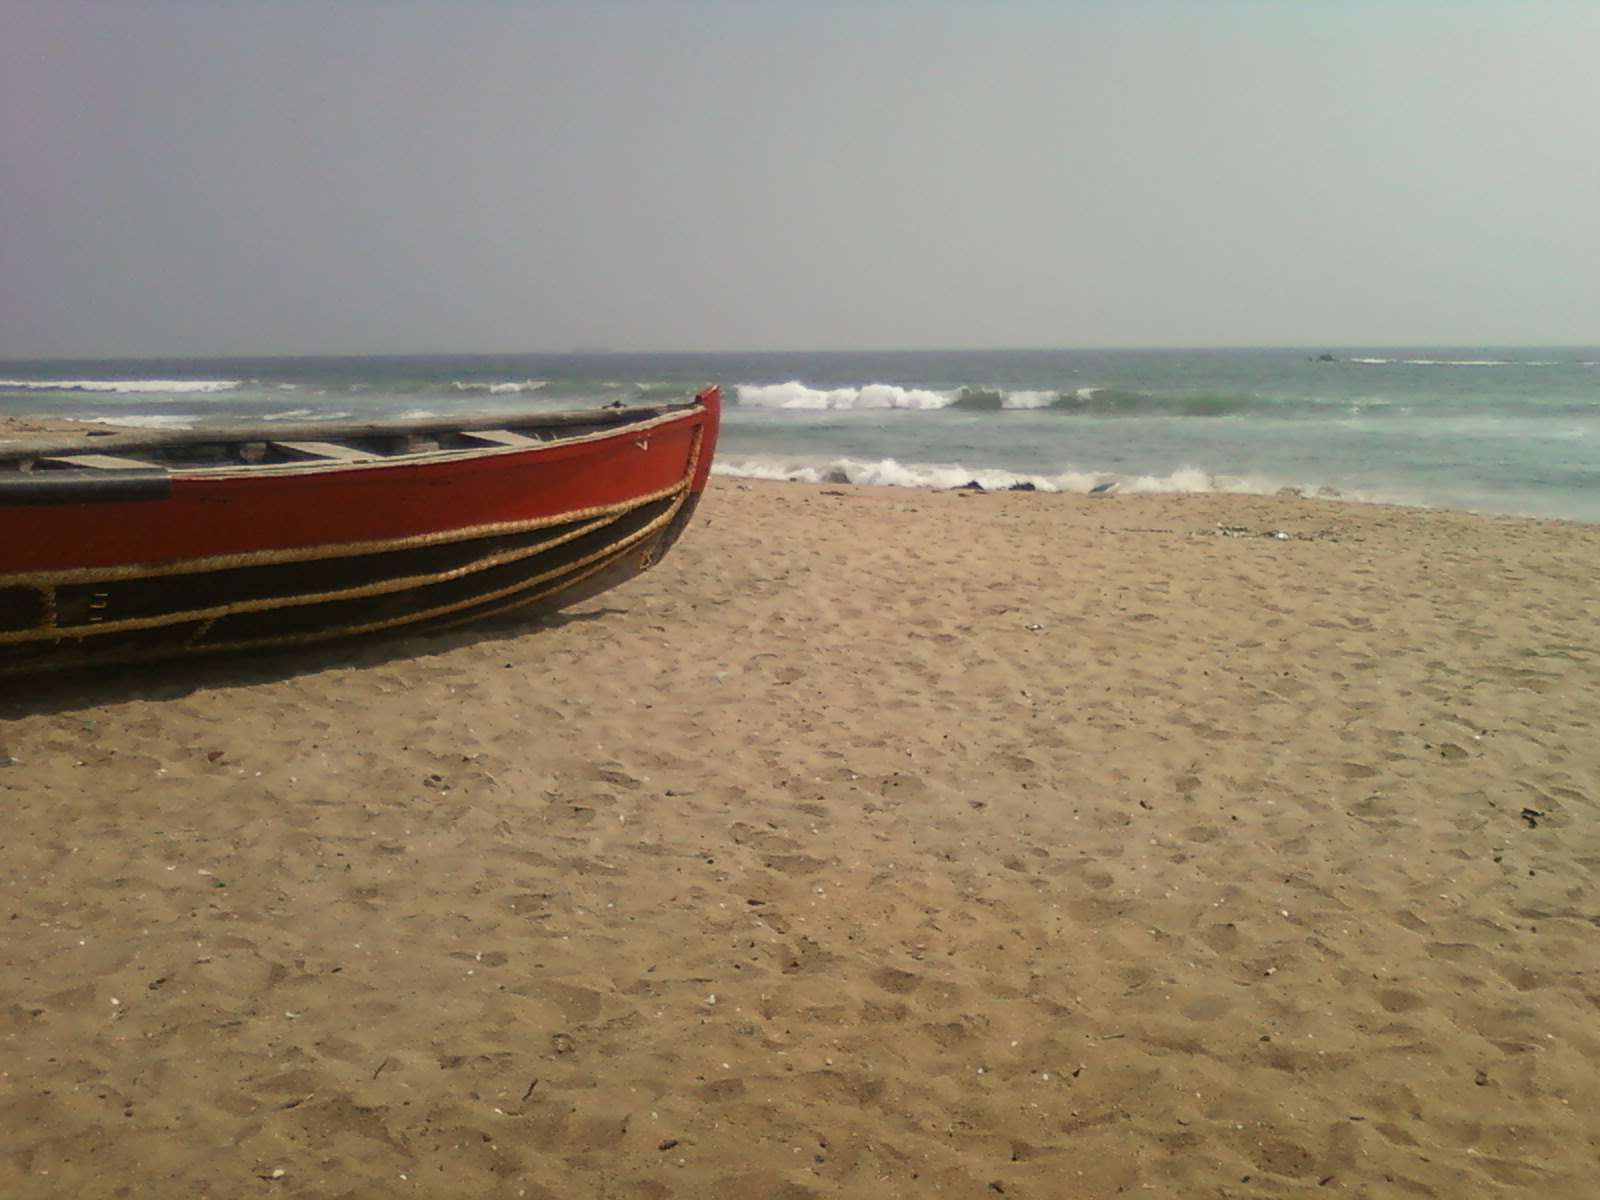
{"x": 1459, "y": 362}
{"x": 1462, "y": 362}
{"x": 1027, "y": 399}
{"x": 125, "y": 386}
{"x": 304, "y": 414}
{"x": 145, "y": 421}
{"x": 873, "y": 395}
{"x": 500, "y": 389}
{"x": 889, "y": 472}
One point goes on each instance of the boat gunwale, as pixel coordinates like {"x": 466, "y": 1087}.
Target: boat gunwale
{"x": 613, "y": 421}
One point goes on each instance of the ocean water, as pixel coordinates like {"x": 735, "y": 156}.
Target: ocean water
{"x": 1502, "y": 430}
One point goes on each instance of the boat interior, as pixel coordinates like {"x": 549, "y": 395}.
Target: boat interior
{"x": 109, "y": 450}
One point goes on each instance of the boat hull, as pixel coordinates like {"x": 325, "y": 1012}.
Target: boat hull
{"x": 242, "y": 560}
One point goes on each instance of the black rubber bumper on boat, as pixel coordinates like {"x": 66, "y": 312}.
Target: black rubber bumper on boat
{"x": 83, "y": 487}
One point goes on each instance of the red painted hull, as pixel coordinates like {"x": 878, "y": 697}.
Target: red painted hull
{"x": 239, "y": 556}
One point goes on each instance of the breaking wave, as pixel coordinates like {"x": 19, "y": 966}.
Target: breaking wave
{"x": 1463, "y": 362}
{"x": 872, "y": 395}
{"x": 500, "y": 389}
{"x": 890, "y": 472}
{"x": 121, "y": 386}
{"x": 1085, "y": 401}
{"x": 143, "y": 421}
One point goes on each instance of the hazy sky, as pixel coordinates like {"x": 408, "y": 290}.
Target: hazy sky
{"x": 194, "y": 177}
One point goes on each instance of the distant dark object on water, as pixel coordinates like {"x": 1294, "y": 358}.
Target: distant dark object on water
{"x": 1325, "y": 358}
{"x": 1103, "y": 489}
{"x": 1024, "y": 486}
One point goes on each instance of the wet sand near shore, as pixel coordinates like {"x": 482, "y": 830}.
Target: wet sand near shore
{"x": 878, "y": 843}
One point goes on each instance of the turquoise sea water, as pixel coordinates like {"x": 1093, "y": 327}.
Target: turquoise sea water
{"x": 1506, "y": 430}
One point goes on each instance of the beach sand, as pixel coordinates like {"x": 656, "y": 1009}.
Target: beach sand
{"x": 18, "y": 431}
{"x": 879, "y": 843}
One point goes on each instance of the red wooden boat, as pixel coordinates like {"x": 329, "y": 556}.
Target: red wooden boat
{"x": 125, "y": 546}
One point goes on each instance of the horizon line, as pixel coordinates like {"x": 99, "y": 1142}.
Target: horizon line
{"x": 615, "y": 353}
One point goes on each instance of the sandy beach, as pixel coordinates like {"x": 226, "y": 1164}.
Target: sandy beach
{"x": 879, "y": 843}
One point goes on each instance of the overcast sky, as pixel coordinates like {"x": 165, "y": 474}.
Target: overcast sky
{"x": 194, "y": 177}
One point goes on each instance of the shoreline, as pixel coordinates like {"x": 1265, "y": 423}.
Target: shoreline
{"x": 17, "y": 431}
{"x": 1096, "y": 485}
{"x": 879, "y": 842}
